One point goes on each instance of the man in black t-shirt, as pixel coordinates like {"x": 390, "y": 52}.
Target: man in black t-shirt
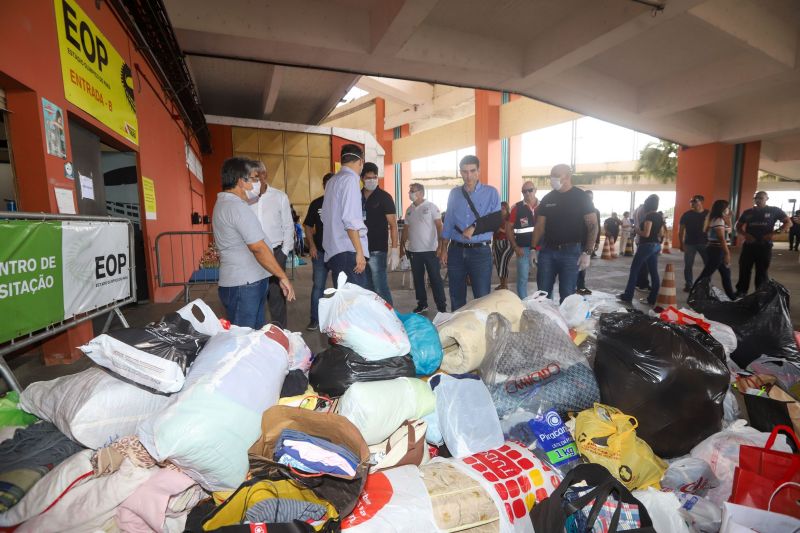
{"x": 566, "y": 229}
{"x": 380, "y": 217}
{"x": 313, "y": 228}
{"x": 757, "y": 224}
{"x": 692, "y": 237}
{"x": 794, "y": 232}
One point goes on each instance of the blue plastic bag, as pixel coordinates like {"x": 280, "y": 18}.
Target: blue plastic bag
{"x": 426, "y": 349}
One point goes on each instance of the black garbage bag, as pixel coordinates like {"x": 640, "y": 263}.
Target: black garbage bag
{"x": 335, "y": 369}
{"x": 173, "y": 338}
{"x": 672, "y": 378}
{"x": 760, "y": 320}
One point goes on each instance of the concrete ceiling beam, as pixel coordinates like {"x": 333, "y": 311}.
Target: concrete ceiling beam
{"x": 454, "y": 104}
{"x": 330, "y": 104}
{"x": 769, "y": 121}
{"x": 755, "y": 27}
{"x": 393, "y": 22}
{"x": 272, "y": 89}
{"x": 402, "y": 91}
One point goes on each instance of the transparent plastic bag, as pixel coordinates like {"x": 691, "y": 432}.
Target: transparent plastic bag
{"x": 426, "y": 348}
{"x": 539, "y": 301}
{"x": 575, "y": 310}
{"x": 467, "y": 417}
{"x": 691, "y": 475}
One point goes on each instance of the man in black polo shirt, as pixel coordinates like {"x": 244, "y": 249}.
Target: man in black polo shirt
{"x": 566, "y": 228}
{"x": 692, "y": 237}
{"x": 757, "y": 224}
{"x": 313, "y": 229}
{"x": 380, "y": 216}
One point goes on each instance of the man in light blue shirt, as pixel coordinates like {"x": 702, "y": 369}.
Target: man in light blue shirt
{"x": 345, "y": 236}
{"x": 462, "y": 250}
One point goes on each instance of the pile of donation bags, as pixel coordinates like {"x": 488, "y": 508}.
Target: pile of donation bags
{"x": 505, "y": 416}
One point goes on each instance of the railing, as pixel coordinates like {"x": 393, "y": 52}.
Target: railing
{"x": 178, "y": 255}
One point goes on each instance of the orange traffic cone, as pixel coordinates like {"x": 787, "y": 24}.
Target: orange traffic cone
{"x": 606, "y": 250}
{"x": 613, "y": 248}
{"x": 666, "y": 293}
{"x": 629, "y": 247}
{"x": 665, "y": 247}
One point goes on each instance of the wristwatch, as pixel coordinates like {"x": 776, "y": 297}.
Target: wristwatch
{"x": 587, "y": 253}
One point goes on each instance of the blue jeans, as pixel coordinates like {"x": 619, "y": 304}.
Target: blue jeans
{"x": 320, "y": 279}
{"x": 473, "y": 262}
{"x": 523, "y": 270}
{"x": 561, "y": 262}
{"x": 346, "y": 262}
{"x": 377, "y": 281}
{"x": 244, "y": 304}
{"x": 420, "y": 262}
{"x": 689, "y": 253}
{"x": 647, "y": 255}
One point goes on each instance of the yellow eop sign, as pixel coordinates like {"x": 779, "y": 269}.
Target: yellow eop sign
{"x": 96, "y": 78}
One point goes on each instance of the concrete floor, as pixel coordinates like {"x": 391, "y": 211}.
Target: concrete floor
{"x": 604, "y": 275}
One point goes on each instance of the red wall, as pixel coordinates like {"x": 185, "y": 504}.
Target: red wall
{"x": 222, "y": 141}
{"x": 30, "y": 69}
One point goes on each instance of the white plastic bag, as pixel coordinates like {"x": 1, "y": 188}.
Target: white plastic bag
{"x": 721, "y": 452}
{"x": 741, "y": 519}
{"x": 539, "y": 301}
{"x": 467, "y": 417}
{"x": 362, "y": 321}
{"x": 690, "y": 475}
{"x": 208, "y": 427}
{"x": 702, "y": 515}
{"x": 378, "y": 408}
{"x": 663, "y": 510}
{"x": 575, "y": 310}
{"x": 207, "y": 323}
{"x": 300, "y": 355}
{"x": 92, "y": 407}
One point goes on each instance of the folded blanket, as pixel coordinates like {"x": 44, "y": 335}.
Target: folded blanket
{"x": 463, "y": 336}
{"x": 15, "y": 483}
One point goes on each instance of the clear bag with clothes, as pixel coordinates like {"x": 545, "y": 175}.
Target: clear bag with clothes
{"x": 537, "y": 368}
{"x": 361, "y": 320}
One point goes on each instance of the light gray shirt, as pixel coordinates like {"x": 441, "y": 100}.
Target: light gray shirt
{"x": 421, "y": 221}
{"x": 342, "y": 211}
{"x": 235, "y": 226}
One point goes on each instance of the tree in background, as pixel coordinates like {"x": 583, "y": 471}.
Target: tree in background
{"x": 659, "y": 160}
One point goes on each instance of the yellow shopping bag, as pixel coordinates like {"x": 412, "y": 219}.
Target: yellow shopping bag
{"x": 607, "y": 436}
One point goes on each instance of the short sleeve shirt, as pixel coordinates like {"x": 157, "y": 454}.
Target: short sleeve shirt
{"x": 657, "y": 222}
{"x": 236, "y": 226}
{"x": 421, "y": 222}
{"x": 712, "y": 230}
{"x": 694, "y": 223}
{"x": 564, "y": 212}
{"x": 314, "y": 220}
{"x": 761, "y": 222}
{"x": 376, "y": 207}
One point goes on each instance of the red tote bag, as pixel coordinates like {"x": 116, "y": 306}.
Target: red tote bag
{"x": 768, "y": 479}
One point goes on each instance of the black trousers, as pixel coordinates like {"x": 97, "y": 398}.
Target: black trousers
{"x": 716, "y": 261}
{"x": 758, "y": 254}
{"x": 427, "y": 261}
{"x": 275, "y": 299}
{"x": 794, "y": 238}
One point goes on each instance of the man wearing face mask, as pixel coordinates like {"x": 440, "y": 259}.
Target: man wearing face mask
{"x": 246, "y": 260}
{"x": 757, "y": 224}
{"x": 566, "y": 228}
{"x": 421, "y": 234}
{"x": 473, "y": 215}
{"x": 345, "y": 237}
{"x": 519, "y": 232}
{"x": 380, "y": 216}
{"x": 274, "y": 212}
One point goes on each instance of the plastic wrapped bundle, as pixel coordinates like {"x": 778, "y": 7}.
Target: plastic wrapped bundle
{"x": 672, "y": 378}
{"x": 536, "y": 369}
{"x": 338, "y": 367}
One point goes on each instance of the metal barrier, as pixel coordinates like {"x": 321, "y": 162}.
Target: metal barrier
{"x": 40, "y": 333}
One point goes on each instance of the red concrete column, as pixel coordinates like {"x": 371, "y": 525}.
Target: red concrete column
{"x": 515, "y": 164}
{"x": 222, "y": 149}
{"x": 487, "y": 136}
{"x": 752, "y": 155}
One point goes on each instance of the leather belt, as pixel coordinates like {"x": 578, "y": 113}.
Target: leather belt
{"x": 469, "y": 244}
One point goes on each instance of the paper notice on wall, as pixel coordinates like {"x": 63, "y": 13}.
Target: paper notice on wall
{"x": 149, "y": 193}
{"x": 65, "y": 201}
{"x": 87, "y": 187}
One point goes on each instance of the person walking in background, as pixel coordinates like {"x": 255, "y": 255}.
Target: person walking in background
{"x": 794, "y": 232}
{"x": 611, "y": 227}
{"x": 757, "y": 224}
{"x": 501, "y": 249}
{"x": 314, "y": 230}
{"x": 421, "y": 234}
{"x": 246, "y": 261}
{"x": 692, "y": 235}
{"x": 650, "y": 233}
{"x": 345, "y": 235}
{"x": 380, "y": 216}
{"x": 519, "y": 231}
{"x": 718, "y": 255}
{"x": 473, "y": 215}
{"x": 642, "y": 279}
{"x": 626, "y": 231}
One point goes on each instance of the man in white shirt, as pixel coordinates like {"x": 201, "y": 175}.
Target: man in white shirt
{"x": 421, "y": 234}
{"x": 274, "y": 212}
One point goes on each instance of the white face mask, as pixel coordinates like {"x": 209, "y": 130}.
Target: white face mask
{"x": 412, "y": 196}
{"x": 371, "y": 184}
{"x": 555, "y": 183}
{"x": 252, "y": 194}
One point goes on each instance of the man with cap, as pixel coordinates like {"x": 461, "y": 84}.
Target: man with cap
{"x": 692, "y": 237}
{"x": 757, "y": 224}
{"x": 345, "y": 237}
{"x": 380, "y": 217}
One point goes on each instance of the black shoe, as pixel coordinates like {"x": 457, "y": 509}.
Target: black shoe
{"x": 442, "y": 309}
{"x": 312, "y": 326}
{"x": 740, "y": 294}
{"x": 643, "y": 289}
{"x": 420, "y": 309}
{"x": 621, "y": 298}
{"x": 584, "y": 292}
{"x": 687, "y": 288}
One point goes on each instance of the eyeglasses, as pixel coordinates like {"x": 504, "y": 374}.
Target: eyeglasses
{"x": 528, "y": 190}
